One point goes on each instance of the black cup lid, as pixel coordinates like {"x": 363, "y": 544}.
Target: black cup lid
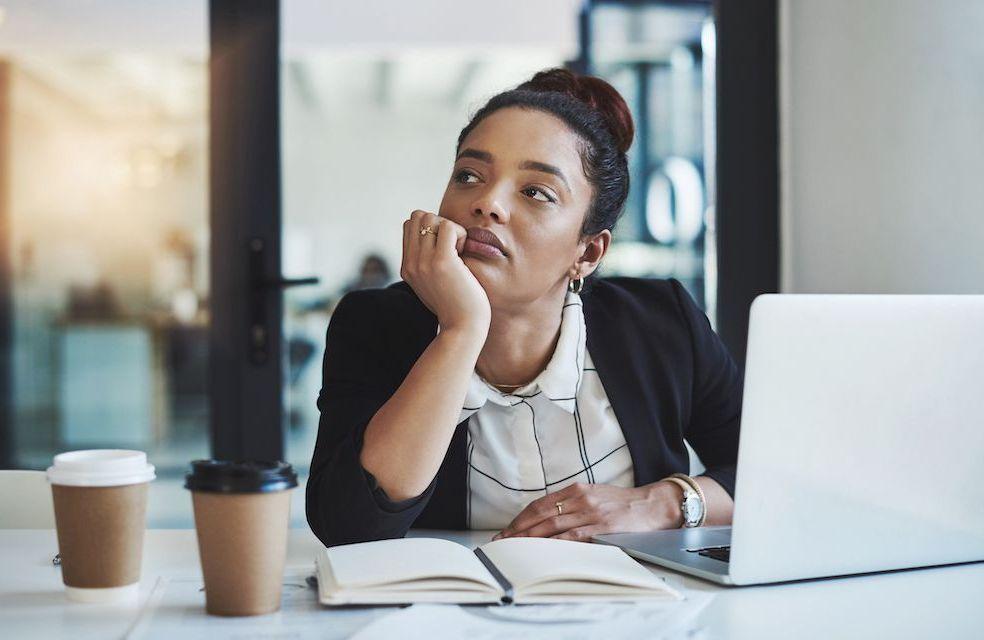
{"x": 240, "y": 476}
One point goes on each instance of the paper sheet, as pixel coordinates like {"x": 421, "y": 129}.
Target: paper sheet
{"x": 176, "y": 609}
{"x": 655, "y": 621}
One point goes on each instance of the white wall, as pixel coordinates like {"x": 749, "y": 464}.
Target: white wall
{"x": 882, "y": 128}
{"x": 354, "y": 167}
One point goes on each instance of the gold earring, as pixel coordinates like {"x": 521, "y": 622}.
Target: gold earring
{"x": 576, "y": 285}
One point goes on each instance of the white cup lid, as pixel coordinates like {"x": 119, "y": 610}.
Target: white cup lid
{"x": 100, "y": 468}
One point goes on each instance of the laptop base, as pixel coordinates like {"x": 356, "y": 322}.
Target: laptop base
{"x": 678, "y": 549}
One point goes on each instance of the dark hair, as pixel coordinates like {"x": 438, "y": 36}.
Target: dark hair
{"x": 593, "y": 110}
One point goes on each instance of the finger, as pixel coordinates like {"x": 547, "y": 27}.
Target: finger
{"x": 429, "y": 239}
{"x": 532, "y": 515}
{"x": 582, "y": 533}
{"x": 555, "y": 525}
{"x": 548, "y": 504}
{"x": 545, "y": 507}
{"x": 419, "y": 219}
{"x": 412, "y": 252}
{"x": 424, "y": 242}
{"x": 426, "y": 219}
{"x": 576, "y": 506}
{"x": 460, "y": 234}
{"x": 446, "y": 239}
{"x": 407, "y": 225}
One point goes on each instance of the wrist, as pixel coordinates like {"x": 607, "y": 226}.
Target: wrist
{"x": 666, "y": 499}
{"x": 475, "y": 322}
{"x": 694, "y": 503}
{"x": 471, "y": 330}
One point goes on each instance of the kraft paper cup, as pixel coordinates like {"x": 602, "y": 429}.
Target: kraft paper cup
{"x": 100, "y": 500}
{"x": 242, "y": 513}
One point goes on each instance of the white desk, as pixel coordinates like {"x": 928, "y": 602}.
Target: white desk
{"x": 930, "y": 603}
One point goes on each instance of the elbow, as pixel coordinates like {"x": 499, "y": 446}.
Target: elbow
{"x": 388, "y": 478}
{"x": 342, "y": 512}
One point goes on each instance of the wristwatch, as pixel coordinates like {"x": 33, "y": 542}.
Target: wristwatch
{"x": 692, "y": 505}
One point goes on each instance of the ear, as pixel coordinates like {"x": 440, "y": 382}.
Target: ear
{"x": 592, "y": 249}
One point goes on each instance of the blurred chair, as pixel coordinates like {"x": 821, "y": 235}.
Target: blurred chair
{"x": 25, "y": 501}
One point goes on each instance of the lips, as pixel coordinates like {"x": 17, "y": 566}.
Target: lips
{"x": 481, "y": 240}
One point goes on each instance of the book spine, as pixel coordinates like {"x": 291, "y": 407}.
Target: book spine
{"x": 507, "y": 588}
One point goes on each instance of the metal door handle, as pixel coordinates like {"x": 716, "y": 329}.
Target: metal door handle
{"x": 283, "y": 283}
{"x": 260, "y": 286}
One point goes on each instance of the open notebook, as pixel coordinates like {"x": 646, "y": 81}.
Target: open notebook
{"x": 521, "y": 570}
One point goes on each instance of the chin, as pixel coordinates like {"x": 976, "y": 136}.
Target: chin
{"x": 487, "y": 275}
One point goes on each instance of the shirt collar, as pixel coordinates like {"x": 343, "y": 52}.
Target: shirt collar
{"x": 558, "y": 382}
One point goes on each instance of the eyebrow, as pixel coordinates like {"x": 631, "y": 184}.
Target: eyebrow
{"x": 484, "y": 156}
{"x": 533, "y": 165}
{"x": 545, "y": 168}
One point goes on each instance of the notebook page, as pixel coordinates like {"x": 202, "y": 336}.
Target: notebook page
{"x": 382, "y": 562}
{"x": 531, "y": 561}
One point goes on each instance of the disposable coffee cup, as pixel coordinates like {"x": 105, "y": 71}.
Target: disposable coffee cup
{"x": 242, "y": 513}
{"x": 100, "y": 498}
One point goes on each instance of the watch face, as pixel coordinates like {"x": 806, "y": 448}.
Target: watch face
{"x": 691, "y": 508}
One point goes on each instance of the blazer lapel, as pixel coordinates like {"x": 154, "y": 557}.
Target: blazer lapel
{"x": 626, "y": 378}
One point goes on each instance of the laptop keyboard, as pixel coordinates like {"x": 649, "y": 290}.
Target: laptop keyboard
{"x": 718, "y": 553}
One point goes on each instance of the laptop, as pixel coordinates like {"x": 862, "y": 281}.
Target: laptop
{"x": 862, "y": 444}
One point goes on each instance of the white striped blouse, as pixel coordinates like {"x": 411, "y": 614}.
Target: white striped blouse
{"x": 557, "y": 430}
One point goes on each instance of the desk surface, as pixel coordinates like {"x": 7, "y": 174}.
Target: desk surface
{"x": 946, "y": 602}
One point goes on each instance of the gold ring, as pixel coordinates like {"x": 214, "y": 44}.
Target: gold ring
{"x": 425, "y": 230}
{"x": 560, "y": 508}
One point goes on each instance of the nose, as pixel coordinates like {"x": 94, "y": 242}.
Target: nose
{"x": 488, "y": 203}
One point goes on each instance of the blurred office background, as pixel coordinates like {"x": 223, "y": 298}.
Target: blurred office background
{"x": 108, "y": 189}
{"x": 104, "y": 179}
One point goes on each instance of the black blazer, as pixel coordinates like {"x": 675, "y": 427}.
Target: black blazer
{"x": 666, "y": 373}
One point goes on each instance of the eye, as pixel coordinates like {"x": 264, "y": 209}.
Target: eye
{"x": 464, "y": 175}
{"x": 533, "y": 192}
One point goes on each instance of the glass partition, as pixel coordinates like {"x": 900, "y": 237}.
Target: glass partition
{"x": 660, "y": 56}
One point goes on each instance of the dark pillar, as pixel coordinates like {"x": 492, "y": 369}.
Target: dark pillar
{"x": 244, "y": 148}
{"x": 747, "y": 162}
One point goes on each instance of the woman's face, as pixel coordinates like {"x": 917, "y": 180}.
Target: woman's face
{"x": 518, "y": 174}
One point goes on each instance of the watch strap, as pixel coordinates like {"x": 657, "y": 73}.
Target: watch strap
{"x": 693, "y": 484}
{"x": 687, "y": 489}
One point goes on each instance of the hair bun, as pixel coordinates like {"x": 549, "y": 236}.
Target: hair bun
{"x": 593, "y": 91}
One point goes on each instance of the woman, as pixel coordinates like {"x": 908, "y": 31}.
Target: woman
{"x": 493, "y": 388}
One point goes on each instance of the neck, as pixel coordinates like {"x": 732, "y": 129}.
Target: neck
{"x": 521, "y": 341}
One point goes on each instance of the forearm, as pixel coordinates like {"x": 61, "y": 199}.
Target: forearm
{"x": 406, "y": 441}
{"x": 719, "y": 505}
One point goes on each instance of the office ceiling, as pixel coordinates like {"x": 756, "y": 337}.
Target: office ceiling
{"x": 119, "y": 58}
{"x": 181, "y": 25}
